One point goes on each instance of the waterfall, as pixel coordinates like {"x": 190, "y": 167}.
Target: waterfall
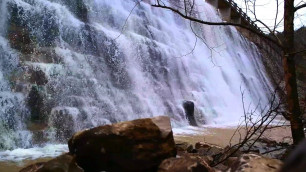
{"x": 67, "y": 65}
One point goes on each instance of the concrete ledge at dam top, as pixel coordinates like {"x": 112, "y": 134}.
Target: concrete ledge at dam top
{"x": 230, "y": 12}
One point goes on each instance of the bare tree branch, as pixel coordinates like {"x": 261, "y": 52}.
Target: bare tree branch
{"x": 299, "y": 7}
{"x": 272, "y": 32}
{"x": 158, "y": 5}
{"x": 252, "y": 130}
{"x": 126, "y": 20}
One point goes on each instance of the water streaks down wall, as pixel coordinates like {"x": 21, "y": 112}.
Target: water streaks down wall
{"x": 64, "y": 68}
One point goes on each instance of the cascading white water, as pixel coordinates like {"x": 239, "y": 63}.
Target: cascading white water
{"x": 98, "y": 73}
{"x": 12, "y": 106}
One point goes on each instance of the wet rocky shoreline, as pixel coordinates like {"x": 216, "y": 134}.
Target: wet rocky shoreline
{"x": 148, "y": 145}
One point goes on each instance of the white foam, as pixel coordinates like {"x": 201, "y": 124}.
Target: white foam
{"x": 189, "y": 131}
{"x": 33, "y": 153}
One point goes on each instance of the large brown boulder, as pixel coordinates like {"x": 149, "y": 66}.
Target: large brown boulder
{"x": 185, "y": 164}
{"x": 139, "y": 145}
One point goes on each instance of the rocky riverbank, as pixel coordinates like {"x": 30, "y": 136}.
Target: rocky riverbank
{"x": 149, "y": 145}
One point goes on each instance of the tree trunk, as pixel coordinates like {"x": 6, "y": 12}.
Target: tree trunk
{"x": 290, "y": 75}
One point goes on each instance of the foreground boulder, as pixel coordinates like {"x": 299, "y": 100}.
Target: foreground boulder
{"x": 255, "y": 163}
{"x": 184, "y": 164}
{"x": 139, "y": 145}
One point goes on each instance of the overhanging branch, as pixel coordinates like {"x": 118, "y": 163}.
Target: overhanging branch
{"x": 299, "y": 7}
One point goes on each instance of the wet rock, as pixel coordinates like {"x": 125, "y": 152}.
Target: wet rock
{"x": 184, "y": 164}
{"x": 190, "y": 149}
{"x": 64, "y": 119}
{"x": 207, "y": 159}
{"x": 232, "y": 152}
{"x": 79, "y": 8}
{"x": 213, "y": 151}
{"x": 268, "y": 142}
{"x": 255, "y": 163}
{"x": 36, "y": 104}
{"x": 199, "y": 145}
{"x": 220, "y": 167}
{"x": 230, "y": 161}
{"x": 189, "y": 112}
{"x": 205, "y": 149}
{"x": 29, "y": 30}
{"x": 18, "y": 34}
{"x": 63, "y": 163}
{"x": 38, "y": 77}
{"x": 39, "y": 138}
{"x": 38, "y": 135}
{"x": 33, "y": 167}
{"x": 183, "y": 146}
{"x": 270, "y": 148}
{"x": 139, "y": 145}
